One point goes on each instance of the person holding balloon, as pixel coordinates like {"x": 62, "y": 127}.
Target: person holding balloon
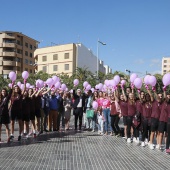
{"x": 4, "y": 111}
{"x": 16, "y": 109}
{"x": 146, "y": 117}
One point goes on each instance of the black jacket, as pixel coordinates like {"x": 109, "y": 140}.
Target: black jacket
{"x": 77, "y": 99}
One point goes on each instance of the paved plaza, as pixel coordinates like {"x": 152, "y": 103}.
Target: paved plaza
{"x": 79, "y": 150}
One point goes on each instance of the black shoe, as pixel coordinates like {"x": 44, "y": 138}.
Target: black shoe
{"x": 19, "y": 138}
{"x": 11, "y": 137}
{"x": 55, "y": 130}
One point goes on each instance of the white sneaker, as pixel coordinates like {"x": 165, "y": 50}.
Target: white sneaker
{"x": 137, "y": 140}
{"x": 134, "y": 139}
{"x": 157, "y": 146}
{"x": 128, "y": 140}
{"x": 151, "y": 146}
{"x": 143, "y": 144}
{"x": 146, "y": 141}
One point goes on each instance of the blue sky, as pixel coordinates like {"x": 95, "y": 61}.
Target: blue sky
{"x": 137, "y": 32}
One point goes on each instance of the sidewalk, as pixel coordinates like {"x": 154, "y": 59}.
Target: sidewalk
{"x": 79, "y": 151}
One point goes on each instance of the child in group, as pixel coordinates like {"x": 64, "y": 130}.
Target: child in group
{"x": 100, "y": 118}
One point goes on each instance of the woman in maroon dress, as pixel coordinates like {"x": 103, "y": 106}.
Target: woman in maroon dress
{"x": 131, "y": 113}
{"x": 146, "y": 118}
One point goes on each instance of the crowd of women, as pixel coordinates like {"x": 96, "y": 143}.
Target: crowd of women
{"x": 147, "y": 113}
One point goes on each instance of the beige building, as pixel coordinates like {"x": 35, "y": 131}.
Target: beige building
{"x": 56, "y": 59}
{"x": 16, "y": 52}
{"x": 66, "y": 58}
{"x": 165, "y": 65}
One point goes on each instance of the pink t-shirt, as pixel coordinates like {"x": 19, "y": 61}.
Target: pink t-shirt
{"x": 100, "y": 101}
{"x": 106, "y": 103}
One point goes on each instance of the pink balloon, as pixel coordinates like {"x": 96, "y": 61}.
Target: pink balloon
{"x": 19, "y": 84}
{"x": 106, "y": 82}
{"x": 28, "y": 85}
{"x": 96, "y": 87}
{"x": 49, "y": 81}
{"x": 66, "y": 89}
{"x": 71, "y": 91}
{"x": 133, "y": 77}
{"x": 55, "y": 79}
{"x": 63, "y": 86}
{"x": 152, "y": 81}
{"x": 25, "y": 75}
{"x": 22, "y": 87}
{"x": 166, "y": 79}
{"x": 31, "y": 87}
{"x": 57, "y": 85}
{"x": 76, "y": 82}
{"x": 95, "y": 105}
{"x": 146, "y": 79}
{"x": 88, "y": 87}
{"x": 116, "y": 79}
{"x": 92, "y": 89}
{"x": 85, "y": 84}
{"x": 12, "y": 76}
{"x": 100, "y": 86}
{"x": 113, "y": 83}
{"x": 10, "y": 85}
{"x": 123, "y": 82}
{"x": 138, "y": 83}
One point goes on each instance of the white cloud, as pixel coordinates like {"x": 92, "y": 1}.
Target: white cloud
{"x": 139, "y": 61}
{"x": 155, "y": 63}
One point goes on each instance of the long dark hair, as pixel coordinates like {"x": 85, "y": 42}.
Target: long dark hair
{"x": 1, "y": 97}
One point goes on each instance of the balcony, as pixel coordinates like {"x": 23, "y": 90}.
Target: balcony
{"x": 1, "y": 62}
{"x": 11, "y": 63}
{"x": 8, "y": 36}
{"x": 12, "y": 54}
{"x": 9, "y": 45}
{"x": 19, "y": 55}
{"x": 7, "y": 71}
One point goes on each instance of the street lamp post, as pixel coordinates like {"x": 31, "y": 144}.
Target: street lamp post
{"x": 128, "y": 71}
{"x": 98, "y": 41}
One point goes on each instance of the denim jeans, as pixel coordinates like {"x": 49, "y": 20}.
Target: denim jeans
{"x": 107, "y": 118}
{"x": 94, "y": 121}
{"x": 100, "y": 124}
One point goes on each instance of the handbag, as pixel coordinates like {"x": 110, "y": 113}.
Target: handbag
{"x": 89, "y": 113}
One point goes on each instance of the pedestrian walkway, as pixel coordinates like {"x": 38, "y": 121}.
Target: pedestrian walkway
{"x": 79, "y": 150}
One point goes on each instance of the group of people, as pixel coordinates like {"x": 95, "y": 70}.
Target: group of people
{"x": 41, "y": 109}
{"x": 147, "y": 113}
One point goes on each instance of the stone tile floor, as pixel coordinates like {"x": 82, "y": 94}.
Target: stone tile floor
{"x": 79, "y": 151}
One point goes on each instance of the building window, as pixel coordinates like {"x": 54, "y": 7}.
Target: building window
{"x": 165, "y": 61}
{"x": 18, "y": 42}
{"x": 44, "y": 58}
{"x": 30, "y": 46}
{"x": 44, "y": 68}
{"x": 66, "y": 56}
{"x": 26, "y": 45}
{"x": 19, "y": 51}
{"x": 164, "y": 71}
{"x": 30, "y": 71}
{"x": 55, "y": 57}
{"x": 66, "y": 66}
{"x": 26, "y": 61}
{"x": 30, "y": 62}
{"x": 165, "y": 65}
{"x": 55, "y": 67}
{"x": 31, "y": 55}
{"x": 26, "y": 53}
{"x": 18, "y": 60}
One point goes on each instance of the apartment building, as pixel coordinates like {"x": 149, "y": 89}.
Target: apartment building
{"x": 107, "y": 69}
{"x": 66, "y": 58}
{"x": 165, "y": 65}
{"x": 16, "y": 52}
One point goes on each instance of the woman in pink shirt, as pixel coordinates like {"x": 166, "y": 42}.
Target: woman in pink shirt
{"x": 106, "y": 112}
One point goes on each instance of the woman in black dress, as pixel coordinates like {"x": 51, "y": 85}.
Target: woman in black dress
{"x": 4, "y": 111}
